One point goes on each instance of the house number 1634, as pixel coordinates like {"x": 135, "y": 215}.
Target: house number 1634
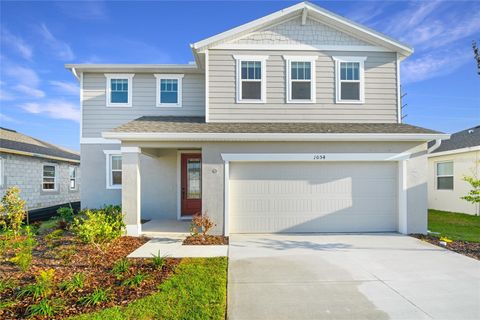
{"x": 318, "y": 157}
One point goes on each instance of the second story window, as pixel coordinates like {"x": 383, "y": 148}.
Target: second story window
{"x": 251, "y": 82}
{"x": 169, "y": 90}
{"x": 119, "y": 90}
{"x": 349, "y": 79}
{"x": 300, "y": 79}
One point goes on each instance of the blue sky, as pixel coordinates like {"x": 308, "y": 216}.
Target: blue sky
{"x": 40, "y": 98}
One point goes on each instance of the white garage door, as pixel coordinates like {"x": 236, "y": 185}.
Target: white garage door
{"x": 312, "y": 197}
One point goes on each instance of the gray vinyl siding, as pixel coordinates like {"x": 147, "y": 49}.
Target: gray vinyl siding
{"x": 97, "y": 117}
{"x": 380, "y": 90}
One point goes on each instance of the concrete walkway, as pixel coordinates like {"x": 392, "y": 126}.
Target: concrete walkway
{"x": 370, "y": 276}
{"x": 171, "y": 246}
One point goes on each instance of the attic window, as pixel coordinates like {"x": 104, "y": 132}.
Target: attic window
{"x": 349, "y": 79}
{"x": 251, "y": 84}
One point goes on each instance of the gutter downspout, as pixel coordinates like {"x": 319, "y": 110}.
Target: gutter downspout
{"x": 435, "y": 146}
{"x": 75, "y": 74}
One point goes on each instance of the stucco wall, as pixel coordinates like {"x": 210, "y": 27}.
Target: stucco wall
{"x": 213, "y": 168}
{"x": 159, "y": 181}
{"x": 27, "y": 174}
{"x": 464, "y": 164}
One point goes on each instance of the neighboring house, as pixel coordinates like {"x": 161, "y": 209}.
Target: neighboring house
{"x": 47, "y": 175}
{"x": 289, "y": 123}
{"x": 453, "y": 160}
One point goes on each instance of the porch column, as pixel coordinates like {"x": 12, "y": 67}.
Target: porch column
{"x": 131, "y": 199}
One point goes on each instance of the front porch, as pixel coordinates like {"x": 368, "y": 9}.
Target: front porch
{"x": 161, "y": 189}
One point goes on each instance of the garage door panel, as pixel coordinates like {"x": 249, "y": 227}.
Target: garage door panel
{"x": 332, "y": 197}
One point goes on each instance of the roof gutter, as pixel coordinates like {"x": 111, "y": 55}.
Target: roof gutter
{"x": 435, "y": 146}
{"x": 182, "y": 136}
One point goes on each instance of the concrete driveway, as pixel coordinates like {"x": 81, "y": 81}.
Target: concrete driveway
{"x": 364, "y": 276}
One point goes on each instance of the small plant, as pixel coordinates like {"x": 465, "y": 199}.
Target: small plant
{"x": 158, "y": 261}
{"x": 44, "y": 308}
{"x": 66, "y": 217}
{"x": 120, "y": 268}
{"x": 473, "y": 195}
{"x": 99, "y": 226}
{"x": 53, "y": 236}
{"x": 134, "y": 281}
{"x": 24, "y": 248}
{"x": 42, "y": 287}
{"x": 201, "y": 224}
{"x": 96, "y": 297}
{"x": 12, "y": 210}
{"x": 65, "y": 253}
{"x": 75, "y": 283}
{"x": 6, "y": 284}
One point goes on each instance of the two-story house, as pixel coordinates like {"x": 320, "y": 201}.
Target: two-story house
{"x": 289, "y": 123}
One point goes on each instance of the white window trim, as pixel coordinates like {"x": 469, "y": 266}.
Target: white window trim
{"x": 70, "y": 178}
{"x": 445, "y": 175}
{"x": 361, "y": 61}
{"x": 313, "y": 76}
{"x": 263, "y": 81}
{"x": 108, "y": 96}
{"x": 108, "y": 168}
{"x": 179, "y": 78}
{"x": 55, "y": 184}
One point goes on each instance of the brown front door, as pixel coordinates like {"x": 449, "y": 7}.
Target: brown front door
{"x": 191, "y": 184}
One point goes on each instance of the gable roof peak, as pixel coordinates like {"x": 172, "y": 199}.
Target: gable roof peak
{"x": 307, "y": 9}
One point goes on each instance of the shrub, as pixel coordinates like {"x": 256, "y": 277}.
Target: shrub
{"x": 120, "y": 268}
{"x": 75, "y": 283}
{"x": 96, "y": 297}
{"x": 53, "y": 236}
{"x": 44, "y": 308}
{"x": 134, "y": 281}
{"x": 99, "y": 226}
{"x": 43, "y": 286}
{"x": 65, "y": 217}
{"x": 158, "y": 261}
{"x": 201, "y": 223}
{"x": 24, "y": 248}
{"x": 12, "y": 210}
{"x": 473, "y": 195}
{"x": 65, "y": 253}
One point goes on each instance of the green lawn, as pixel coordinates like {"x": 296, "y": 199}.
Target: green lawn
{"x": 456, "y": 226}
{"x": 196, "y": 291}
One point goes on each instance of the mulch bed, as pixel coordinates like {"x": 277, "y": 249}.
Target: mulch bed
{"x": 205, "y": 240}
{"x": 470, "y": 249}
{"x": 67, "y": 256}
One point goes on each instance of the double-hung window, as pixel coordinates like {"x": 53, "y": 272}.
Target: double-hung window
{"x": 444, "y": 172}
{"x": 349, "y": 79}
{"x": 119, "y": 90}
{"x": 169, "y": 90}
{"x": 49, "y": 178}
{"x": 300, "y": 79}
{"x": 72, "y": 173}
{"x": 113, "y": 169}
{"x": 251, "y": 79}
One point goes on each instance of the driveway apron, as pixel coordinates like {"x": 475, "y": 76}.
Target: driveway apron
{"x": 360, "y": 276}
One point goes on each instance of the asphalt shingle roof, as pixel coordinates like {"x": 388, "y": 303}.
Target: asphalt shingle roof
{"x": 198, "y": 125}
{"x": 10, "y": 139}
{"x": 462, "y": 139}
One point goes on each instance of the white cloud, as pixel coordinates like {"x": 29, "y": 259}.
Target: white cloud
{"x": 30, "y": 91}
{"x": 23, "y": 75}
{"x": 17, "y": 43}
{"x": 57, "y": 109}
{"x": 432, "y": 65}
{"x": 60, "y": 48}
{"x": 66, "y": 87}
{"x": 86, "y": 10}
{"x": 5, "y": 118}
{"x": 5, "y": 95}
